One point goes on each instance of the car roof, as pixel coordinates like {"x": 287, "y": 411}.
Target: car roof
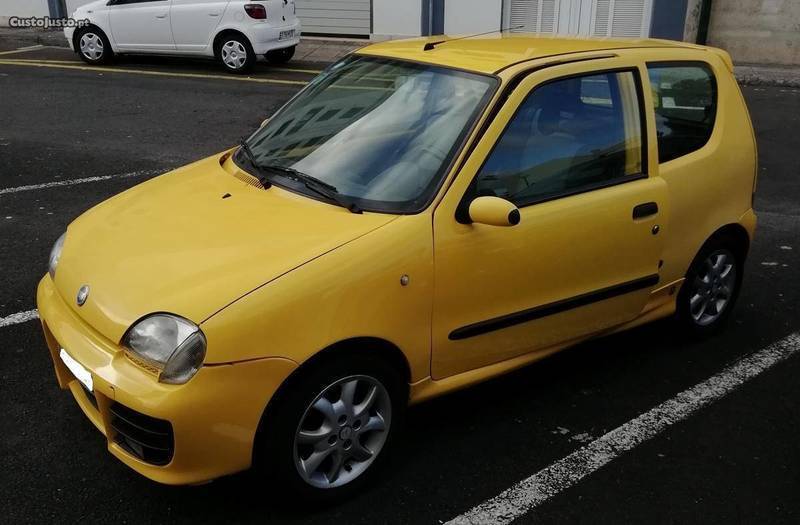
{"x": 490, "y": 53}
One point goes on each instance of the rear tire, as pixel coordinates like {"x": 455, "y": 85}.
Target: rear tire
{"x": 280, "y": 56}
{"x": 235, "y": 54}
{"x": 93, "y": 46}
{"x": 712, "y": 285}
{"x": 311, "y": 418}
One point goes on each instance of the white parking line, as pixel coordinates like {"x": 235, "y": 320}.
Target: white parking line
{"x": 22, "y": 50}
{"x": 19, "y": 317}
{"x": 566, "y": 472}
{"x": 72, "y": 182}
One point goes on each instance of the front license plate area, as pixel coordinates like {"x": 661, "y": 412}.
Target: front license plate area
{"x": 77, "y": 369}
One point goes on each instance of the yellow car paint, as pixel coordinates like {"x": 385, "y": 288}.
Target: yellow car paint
{"x": 273, "y": 278}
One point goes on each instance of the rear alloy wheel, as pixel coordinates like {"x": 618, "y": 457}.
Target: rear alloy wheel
{"x": 236, "y": 55}
{"x": 93, "y": 47}
{"x": 710, "y": 290}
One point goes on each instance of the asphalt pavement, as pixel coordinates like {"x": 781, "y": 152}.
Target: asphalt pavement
{"x": 72, "y": 136}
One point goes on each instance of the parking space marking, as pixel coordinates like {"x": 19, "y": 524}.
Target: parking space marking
{"x": 19, "y": 317}
{"x": 566, "y": 472}
{"x": 22, "y": 50}
{"x": 154, "y": 73}
{"x": 72, "y": 182}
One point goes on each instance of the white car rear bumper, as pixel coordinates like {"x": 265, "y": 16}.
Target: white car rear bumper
{"x": 266, "y": 38}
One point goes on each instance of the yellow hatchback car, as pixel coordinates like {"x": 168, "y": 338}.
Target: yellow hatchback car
{"x": 424, "y": 215}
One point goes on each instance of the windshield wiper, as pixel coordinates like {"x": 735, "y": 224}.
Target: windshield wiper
{"x": 316, "y": 185}
{"x": 244, "y": 147}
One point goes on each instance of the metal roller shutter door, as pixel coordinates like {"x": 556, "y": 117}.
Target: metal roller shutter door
{"x": 335, "y": 17}
{"x": 619, "y": 18}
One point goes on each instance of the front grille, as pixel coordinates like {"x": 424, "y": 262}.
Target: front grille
{"x": 145, "y": 437}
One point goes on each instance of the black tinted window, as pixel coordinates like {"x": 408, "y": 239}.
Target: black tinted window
{"x": 684, "y": 96}
{"x": 568, "y": 136}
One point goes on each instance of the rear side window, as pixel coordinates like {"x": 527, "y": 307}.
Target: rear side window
{"x": 570, "y": 135}
{"x": 685, "y": 100}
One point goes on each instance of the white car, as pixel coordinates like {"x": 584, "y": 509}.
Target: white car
{"x": 236, "y": 32}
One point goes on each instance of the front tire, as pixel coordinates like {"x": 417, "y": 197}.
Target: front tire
{"x": 711, "y": 288}
{"x": 329, "y": 429}
{"x": 280, "y": 56}
{"x": 236, "y": 54}
{"x": 93, "y": 46}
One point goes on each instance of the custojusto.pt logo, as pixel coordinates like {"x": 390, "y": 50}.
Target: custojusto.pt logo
{"x": 45, "y": 22}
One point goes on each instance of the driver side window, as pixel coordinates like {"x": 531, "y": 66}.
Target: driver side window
{"x": 569, "y": 136}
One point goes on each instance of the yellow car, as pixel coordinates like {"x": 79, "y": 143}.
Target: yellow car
{"x": 424, "y": 215}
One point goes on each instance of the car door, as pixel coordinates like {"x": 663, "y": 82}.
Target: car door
{"x": 194, "y": 21}
{"x": 141, "y": 25}
{"x": 569, "y": 148}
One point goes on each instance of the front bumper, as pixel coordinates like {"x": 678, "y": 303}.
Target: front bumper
{"x": 212, "y": 418}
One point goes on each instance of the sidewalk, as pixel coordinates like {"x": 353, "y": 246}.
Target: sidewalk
{"x": 310, "y": 49}
{"x": 759, "y": 75}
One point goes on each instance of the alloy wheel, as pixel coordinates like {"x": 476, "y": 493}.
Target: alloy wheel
{"x": 713, "y": 287}
{"x": 342, "y": 431}
{"x": 91, "y": 46}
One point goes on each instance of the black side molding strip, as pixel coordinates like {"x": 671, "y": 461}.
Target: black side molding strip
{"x": 537, "y": 312}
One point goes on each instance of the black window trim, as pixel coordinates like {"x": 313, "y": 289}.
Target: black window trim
{"x": 707, "y": 67}
{"x": 462, "y": 211}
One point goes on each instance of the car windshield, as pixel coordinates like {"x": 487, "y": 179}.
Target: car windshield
{"x": 380, "y": 132}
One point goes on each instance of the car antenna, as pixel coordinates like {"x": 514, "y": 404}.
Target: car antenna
{"x": 432, "y": 45}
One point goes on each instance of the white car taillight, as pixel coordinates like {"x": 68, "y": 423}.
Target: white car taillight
{"x": 257, "y": 11}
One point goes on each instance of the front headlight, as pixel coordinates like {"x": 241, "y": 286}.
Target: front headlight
{"x": 173, "y": 345}
{"x": 55, "y": 255}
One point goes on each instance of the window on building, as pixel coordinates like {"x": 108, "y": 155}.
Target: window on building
{"x": 684, "y": 96}
{"x": 569, "y": 136}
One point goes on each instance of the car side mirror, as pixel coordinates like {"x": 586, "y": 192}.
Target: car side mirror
{"x": 265, "y": 122}
{"x": 493, "y": 211}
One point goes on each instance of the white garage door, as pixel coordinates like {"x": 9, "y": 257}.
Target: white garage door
{"x": 620, "y": 18}
{"x": 335, "y": 17}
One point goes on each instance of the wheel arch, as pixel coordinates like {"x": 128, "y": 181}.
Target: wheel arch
{"x": 734, "y": 233}
{"x": 79, "y": 31}
{"x": 221, "y": 34}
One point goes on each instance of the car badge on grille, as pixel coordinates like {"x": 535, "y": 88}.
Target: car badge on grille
{"x": 83, "y": 294}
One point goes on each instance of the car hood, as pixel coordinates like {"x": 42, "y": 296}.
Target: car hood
{"x": 192, "y": 241}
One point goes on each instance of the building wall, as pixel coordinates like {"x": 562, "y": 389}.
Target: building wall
{"x": 757, "y": 31}
{"x": 472, "y": 16}
{"x": 22, "y": 8}
{"x": 396, "y": 19}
